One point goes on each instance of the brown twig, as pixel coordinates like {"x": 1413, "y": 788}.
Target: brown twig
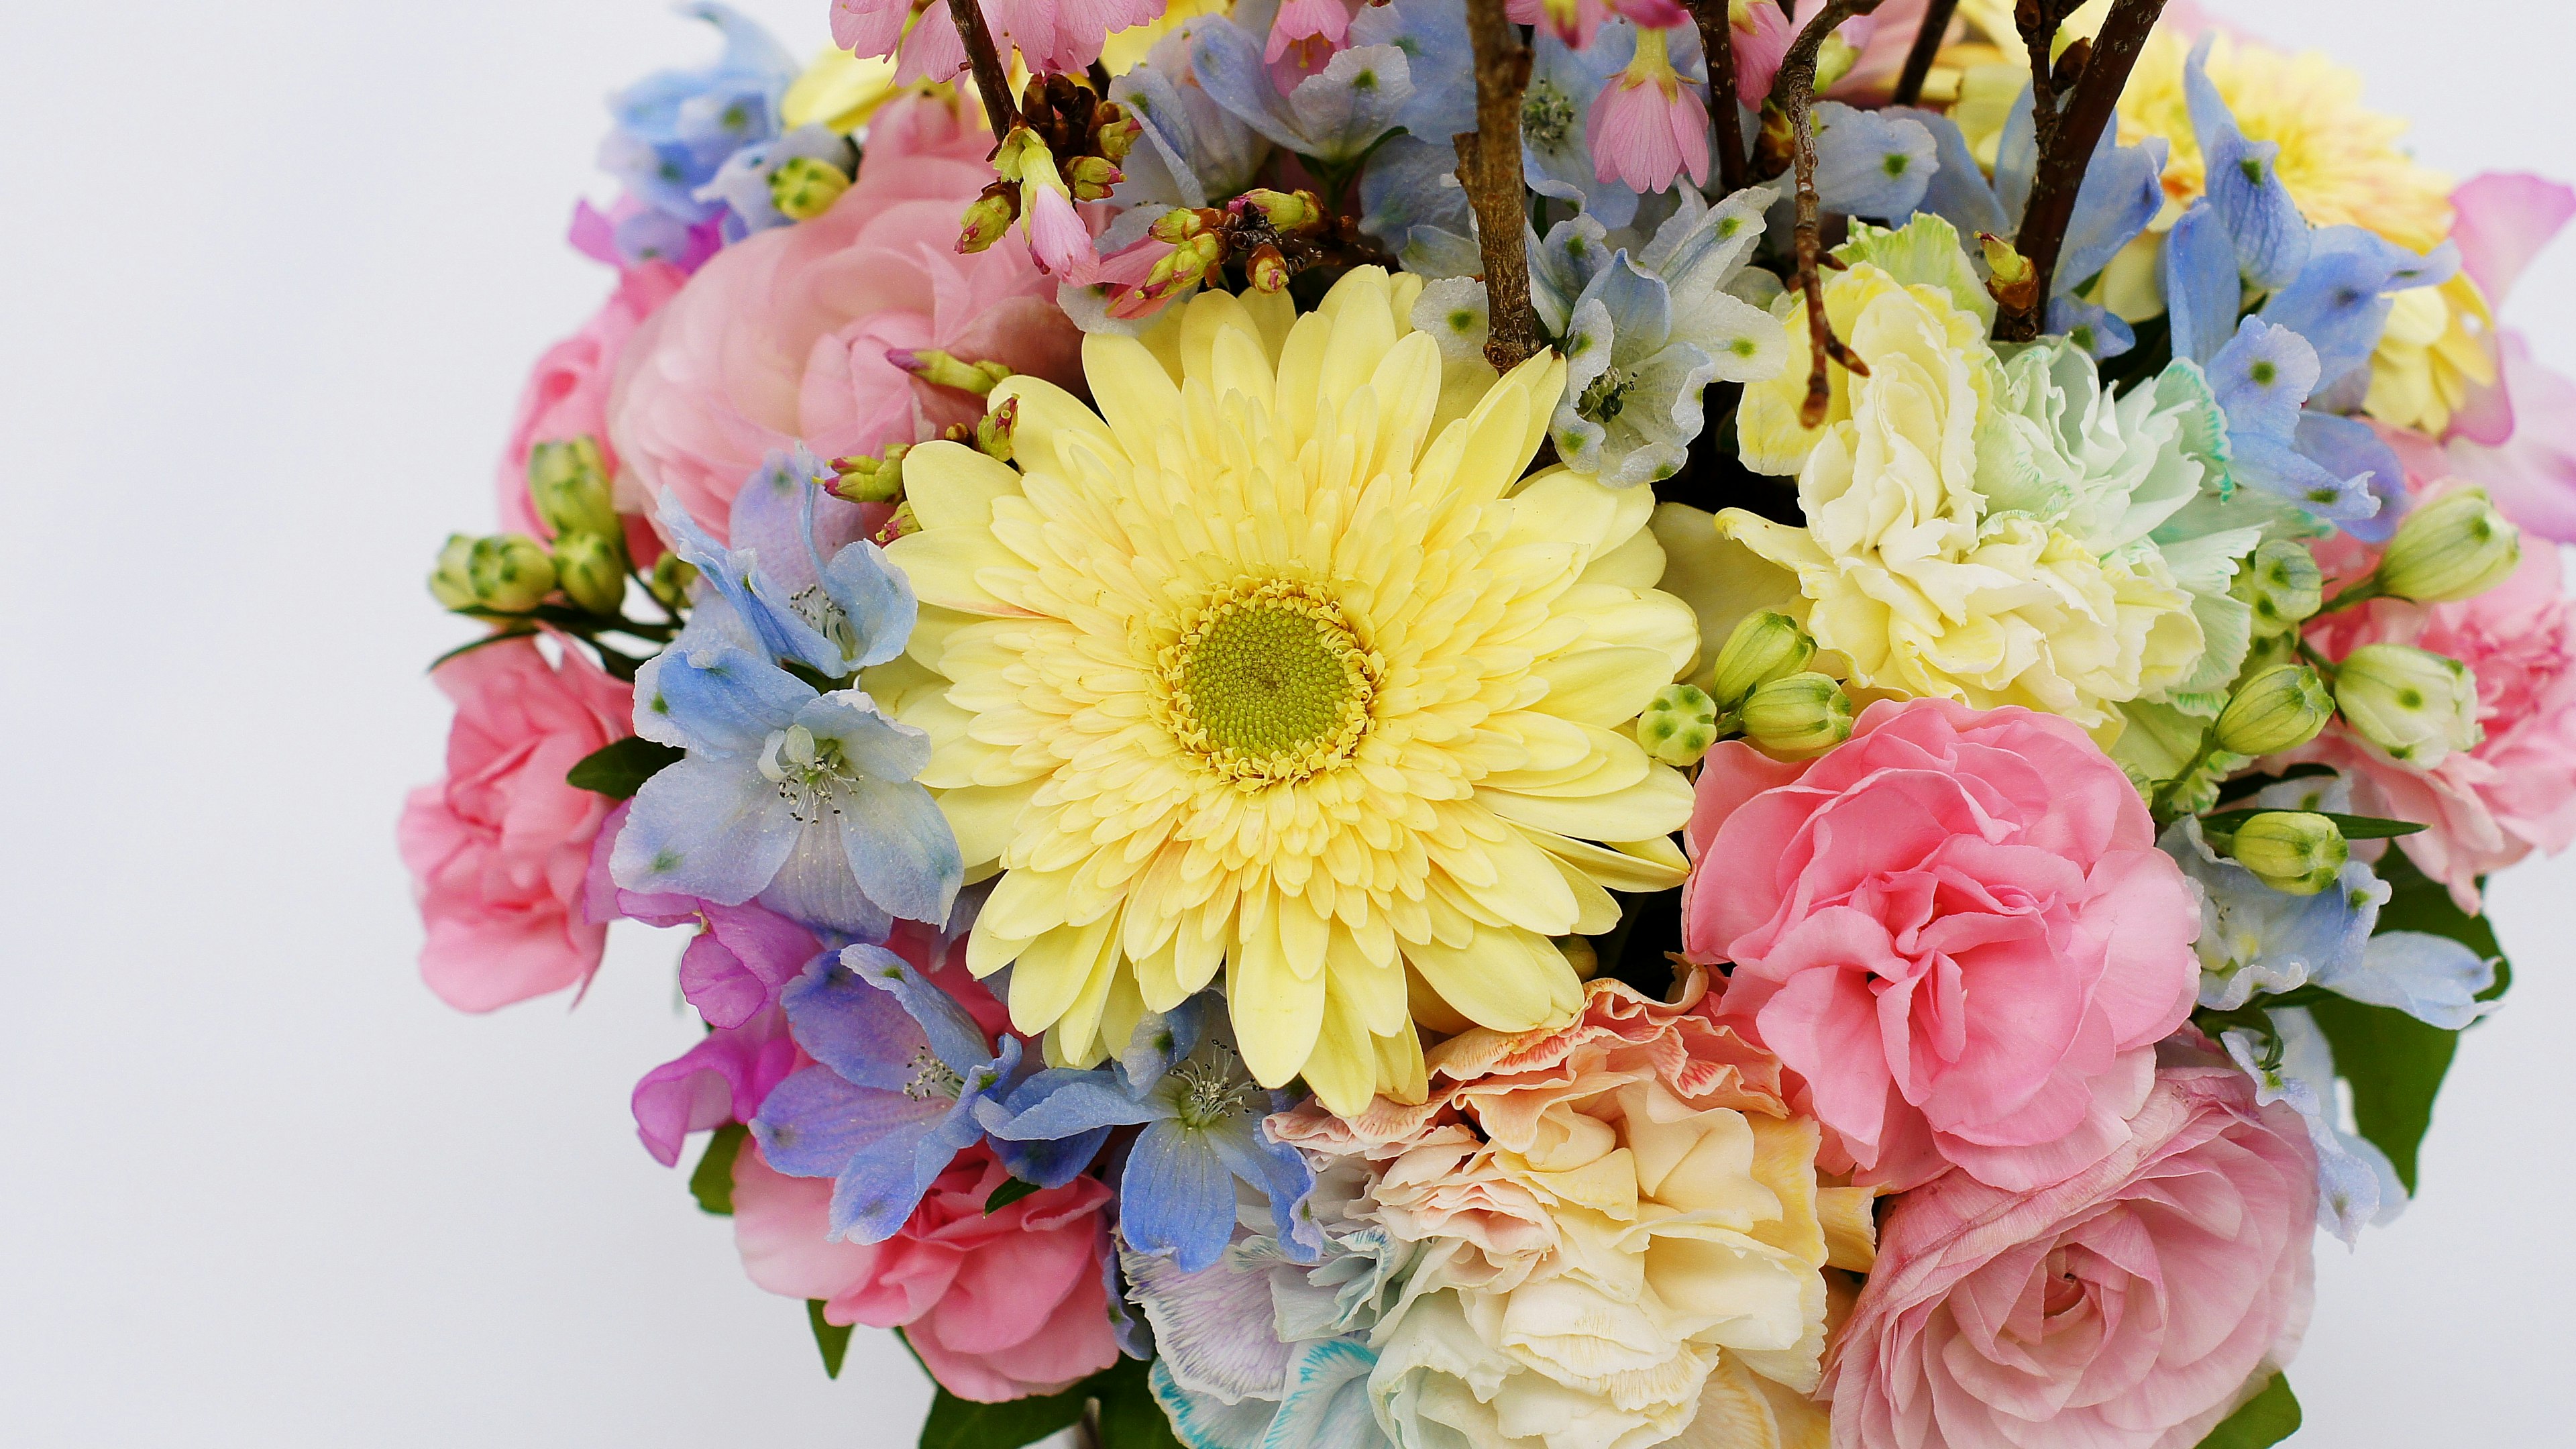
{"x": 2038, "y": 21}
{"x": 1489, "y": 166}
{"x": 1927, "y": 48}
{"x": 1795, "y": 90}
{"x": 1725, "y": 118}
{"x": 992, "y": 78}
{"x": 2060, "y": 173}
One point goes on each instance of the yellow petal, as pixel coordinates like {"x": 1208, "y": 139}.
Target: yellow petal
{"x": 950, "y": 485}
{"x": 1277, "y": 1014}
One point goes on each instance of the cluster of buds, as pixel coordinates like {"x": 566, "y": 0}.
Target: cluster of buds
{"x": 1067, "y": 148}
{"x": 878, "y": 477}
{"x": 1760, "y": 687}
{"x": 511, "y": 573}
{"x": 1272, "y": 235}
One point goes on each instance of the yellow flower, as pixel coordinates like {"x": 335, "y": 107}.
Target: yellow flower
{"x": 1903, "y": 571}
{"x": 2439, "y": 341}
{"x": 2339, "y": 159}
{"x": 1275, "y": 663}
{"x": 841, "y": 91}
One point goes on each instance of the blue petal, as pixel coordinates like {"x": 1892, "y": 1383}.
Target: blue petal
{"x": 2097, "y": 330}
{"x": 2432, "y": 978}
{"x": 2122, "y": 192}
{"x": 867, "y": 1035}
{"x": 876, "y": 599}
{"x": 1556, "y": 148}
{"x": 900, "y": 847}
{"x": 2203, "y": 291}
{"x": 1411, "y": 187}
{"x": 1063, "y": 1101}
{"x": 1575, "y": 251}
{"x": 1160, "y": 1042}
{"x": 2261, "y": 377}
{"x": 1176, "y": 1198}
{"x": 1640, "y": 306}
{"x": 2243, "y": 185}
{"x": 2281, "y": 470}
{"x": 715, "y": 698}
{"x": 1344, "y": 108}
{"x": 713, "y": 829}
{"x": 2336, "y": 304}
{"x": 1433, "y": 36}
{"x": 814, "y": 885}
{"x": 1280, "y": 1171}
{"x": 1871, "y": 164}
{"x": 1327, "y": 1406}
{"x": 953, "y": 1035}
{"x": 813, "y": 1123}
{"x": 2348, "y": 448}
{"x": 1958, "y": 192}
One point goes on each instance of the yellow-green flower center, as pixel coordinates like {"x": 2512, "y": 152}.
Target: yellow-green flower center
{"x": 1267, "y": 683}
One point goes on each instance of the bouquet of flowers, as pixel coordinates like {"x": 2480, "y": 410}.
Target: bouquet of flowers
{"x": 1529, "y": 724}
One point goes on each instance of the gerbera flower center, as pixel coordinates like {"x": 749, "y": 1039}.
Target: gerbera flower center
{"x": 1267, "y": 683}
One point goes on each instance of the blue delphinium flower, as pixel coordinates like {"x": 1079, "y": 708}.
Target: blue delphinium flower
{"x": 1190, "y": 151}
{"x": 834, "y": 616}
{"x": 1185, "y": 1085}
{"x": 675, "y": 128}
{"x": 1331, "y": 117}
{"x": 1438, "y": 59}
{"x": 1411, "y": 201}
{"x": 2121, "y": 192}
{"x": 2357, "y": 1186}
{"x": 901, "y": 1069}
{"x": 1871, "y": 163}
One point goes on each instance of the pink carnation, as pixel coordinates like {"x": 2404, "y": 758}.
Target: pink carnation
{"x": 2130, "y": 1307}
{"x": 1955, "y": 929}
{"x": 2516, "y": 792}
{"x": 785, "y": 335}
{"x": 567, "y": 393}
{"x": 498, "y": 850}
{"x": 999, "y": 1306}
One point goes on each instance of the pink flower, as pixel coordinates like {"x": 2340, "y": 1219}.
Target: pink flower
{"x": 785, "y": 334}
{"x": 498, "y": 850}
{"x": 1052, "y": 35}
{"x": 2518, "y": 438}
{"x": 1649, "y": 124}
{"x": 2130, "y": 1307}
{"x": 1577, "y": 21}
{"x": 2516, "y": 792}
{"x": 1955, "y": 929}
{"x": 999, "y": 1306}
{"x": 567, "y": 393}
{"x": 724, "y": 1078}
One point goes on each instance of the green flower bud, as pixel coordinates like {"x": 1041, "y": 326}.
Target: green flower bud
{"x": 2455, "y": 547}
{"x": 2416, "y": 705}
{"x": 2282, "y": 584}
{"x": 568, "y": 483}
{"x": 670, "y": 580}
{"x": 2279, "y": 709}
{"x": 988, "y": 217}
{"x": 941, "y": 369}
{"x": 511, "y": 572}
{"x": 1285, "y": 210}
{"x": 2290, "y": 850}
{"x": 1803, "y": 714}
{"x": 872, "y": 480}
{"x": 804, "y": 187}
{"x": 993, "y": 430}
{"x": 452, "y": 581}
{"x": 1090, "y": 177}
{"x": 1765, "y": 646}
{"x": 1679, "y": 725}
{"x": 591, "y": 568}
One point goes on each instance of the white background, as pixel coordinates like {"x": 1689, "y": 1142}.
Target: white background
{"x": 276, "y": 270}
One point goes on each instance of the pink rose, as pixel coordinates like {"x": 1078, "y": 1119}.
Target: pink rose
{"x": 2130, "y": 1307}
{"x": 785, "y": 334}
{"x": 999, "y": 1306}
{"x": 1955, "y": 929}
{"x": 2514, "y": 793}
{"x": 498, "y": 850}
{"x": 567, "y": 393}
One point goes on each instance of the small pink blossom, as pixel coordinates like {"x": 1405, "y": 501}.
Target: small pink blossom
{"x": 1062, "y": 36}
{"x": 724, "y": 1078}
{"x": 2131, "y": 1307}
{"x": 784, "y": 335}
{"x": 1577, "y": 21}
{"x": 1955, "y": 929}
{"x": 1057, "y": 237}
{"x": 498, "y": 850}
{"x": 999, "y": 1305}
{"x": 2516, "y": 791}
{"x": 1649, "y": 124}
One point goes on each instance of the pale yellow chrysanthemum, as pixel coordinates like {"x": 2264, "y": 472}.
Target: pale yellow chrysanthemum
{"x": 2338, "y": 159}
{"x": 2439, "y": 342}
{"x": 1904, "y": 572}
{"x": 1275, "y": 663}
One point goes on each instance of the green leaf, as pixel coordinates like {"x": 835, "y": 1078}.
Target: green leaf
{"x": 1130, "y": 1416}
{"x": 619, "y": 770}
{"x": 1007, "y": 1194}
{"x": 832, "y": 1338}
{"x": 2263, "y": 1420}
{"x": 2394, "y": 1062}
{"x": 955, "y": 1423}
{"x": 2354, "y": 827}
{"x": 712, "y": 1183}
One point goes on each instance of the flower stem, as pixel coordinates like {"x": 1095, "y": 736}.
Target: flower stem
{"x": 1927, "y": 48}
{"x": 2066, "y": 144}
{"x": 1795, "y": 88}
{"x": 1489, "y": 166}
{"x": 992, "y": 78}
{"x": 1725, "y": 119}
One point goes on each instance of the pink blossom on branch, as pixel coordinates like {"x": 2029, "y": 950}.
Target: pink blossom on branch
{"x": 1051, "y": 35}
{"x": 1650, "y": 123}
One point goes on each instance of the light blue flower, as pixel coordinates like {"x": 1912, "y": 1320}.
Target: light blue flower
{"x": 2262, "y": 378}
{"x": 1556, "y": 146}
{"x": 1191, "y": 151}
{"x": 1438, "y": 58}
{"x": 834, "y": 616}
{"x": 2357, "y": 1186}
{"x": 1410, "y": 200}
{"x": 1202, "y": 1115}
{"x": 675, "y": 128}
{"x": 742, "y": 182}
{"x": 2121, "y": 192}
{"x": 901, "y": 1069}
{"x": 1331, "y": 117}
{"x": 1322, "y": 1403}
{"x": 2244, "y": 186}
{"x": 2339, "y": 300}
{"x": 1871, "y": 163}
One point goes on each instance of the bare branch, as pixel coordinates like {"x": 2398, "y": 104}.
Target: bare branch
{"x": 1725, "y": 119}
{"x": 2060, "y": 174}
{"x": 1489, "y": 166}
{"x": 1927, "y": 48}
{"x": 1795, "y": 89}
{"x": 992, "y": 78}
{"x": 2038, "y": 21}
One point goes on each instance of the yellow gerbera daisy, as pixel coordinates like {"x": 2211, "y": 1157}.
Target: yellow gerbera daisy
{"x": 1276, "y": 663}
